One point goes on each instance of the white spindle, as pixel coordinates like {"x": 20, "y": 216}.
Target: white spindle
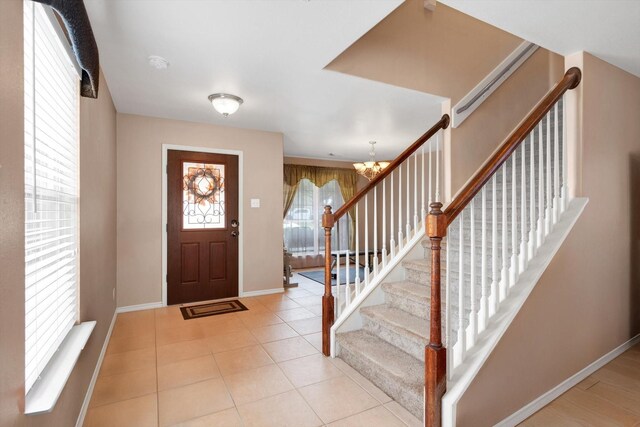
{"x": 423, "y": 213}
{"x": 430, "y": 175}
{"x": 447, "y": 311}
{"x": 532, "y": 194}
{"x": 400, "y": 238}
{"x": 438, "y": 168}
{"x": 548, "y": 210}
{"x": 415, "y": 193}
{"x": 366, "y": 241}
{"x": 337, "y": 293}
{"x": 357, "y": 257}
{"x": 504, "y": 283}
{"x": 347, "y": 288}
{"x": 484, "y": 307}
{"x": 408, "y": 225}
{"x": 384, "y": 222}
{"x": 556, "y": 167}
{"x": 494, "y": 245}
{"x": 524, "y": 259}
{"x": 392, "y": 242}
{"x": 375, "y": 232}
{"x": 540, "y": 186}
{"x": 514, "y": 219}
{"x": 565, "y": 186}
{"x": 462, "y": 339}
{"x": 473, "y": 318}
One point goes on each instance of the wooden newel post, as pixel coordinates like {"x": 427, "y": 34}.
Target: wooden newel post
{"x": 435, "y": 354}
{"x": 327, "y": 298}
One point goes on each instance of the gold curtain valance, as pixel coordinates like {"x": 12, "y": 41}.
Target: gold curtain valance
{"x": 318, "y": 175}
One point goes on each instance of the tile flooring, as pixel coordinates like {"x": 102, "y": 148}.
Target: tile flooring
{"x": 608, "y": 397}
{"x": 261, "y": 367}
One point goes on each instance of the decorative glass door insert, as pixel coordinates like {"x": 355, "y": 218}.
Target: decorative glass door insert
{"x": 203, "y": 196}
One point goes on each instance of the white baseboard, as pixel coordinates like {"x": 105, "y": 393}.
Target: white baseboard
{"x": 96, "y": 371}
{"x": 542, "y": 401}
{"x": 262, "y": 292}
{"x": 137, "y": 307}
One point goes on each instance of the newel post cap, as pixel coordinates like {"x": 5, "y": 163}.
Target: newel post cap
{"x": 436, "y": 221}
{"x": 327, "y": 218}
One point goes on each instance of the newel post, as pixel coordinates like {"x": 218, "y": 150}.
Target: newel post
{"x": 327, "y": 298}
{"x": 435, "y": 373}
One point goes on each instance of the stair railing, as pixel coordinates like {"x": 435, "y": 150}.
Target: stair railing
{"x": 389, "y": 213}
{"x": 510, "y": 205}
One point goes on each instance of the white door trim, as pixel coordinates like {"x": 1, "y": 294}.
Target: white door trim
{"x": 165, "y": 149}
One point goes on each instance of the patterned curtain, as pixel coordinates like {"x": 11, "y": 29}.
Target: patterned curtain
{"x": 319, "y": 176}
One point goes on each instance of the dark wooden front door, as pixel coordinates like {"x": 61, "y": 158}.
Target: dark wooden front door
{"x": 203, "y": 228}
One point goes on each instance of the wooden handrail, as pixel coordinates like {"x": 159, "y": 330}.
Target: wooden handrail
{"x": 570, "y": 80}
{"x": 443, "y": 123}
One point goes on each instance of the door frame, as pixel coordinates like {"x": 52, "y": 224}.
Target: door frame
{"x": 165, "y": 155}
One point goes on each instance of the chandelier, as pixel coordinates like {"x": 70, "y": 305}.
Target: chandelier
{"x": 371, "y": 168}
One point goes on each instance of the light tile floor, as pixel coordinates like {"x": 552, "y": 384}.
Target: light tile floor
{"x": 261, "y": 367}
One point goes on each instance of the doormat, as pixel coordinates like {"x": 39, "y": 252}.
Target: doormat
{"x": 211, "y": 309}
{"x": 318, "y": 276}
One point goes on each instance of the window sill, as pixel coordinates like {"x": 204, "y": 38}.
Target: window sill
{"x": 44, "y": 394}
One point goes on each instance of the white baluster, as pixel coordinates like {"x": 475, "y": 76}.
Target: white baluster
{"x": 400, "y": 237}
{"x": 473, "y": 317}
{"x": 415, "y": 194}
{"x": 430, "y": 174}
{"x": 423, "y": 213}
{"x": 357, "y": 257}
{"x": 514, "y": 218}
{"x": 384, "y": 222}
{"x": 392, "y": 242}
{"x": 337, "y": 292}
{"x": 494, "y": 299}
{"x": 532, "y": 194}
{"x": 484, "y": 307}
{"x": 504, "y": 283}
{"x": 375, "y": 231}
{"x": 408, "y": 235}
{"x": 447, "y": 313}
{"x": 347, "y": 288}
{"x": 366, "y": 241}
{"x": 438, "y": 168}
{"x": 462, "y": 339}
{"x": 540, "y": 186}
{"x": 565, "y": 186}
{"x": 556, "y": 167}
{"x": 547, "y": 214}
{"x": 524, "y": 258}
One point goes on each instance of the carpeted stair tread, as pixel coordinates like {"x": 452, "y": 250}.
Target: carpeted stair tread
{"x": 395, "y": 372}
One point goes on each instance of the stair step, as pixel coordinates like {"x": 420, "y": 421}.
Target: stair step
{"x": 397, "y": 327}
{"x": 408, "y": 296}
{"x": 398, "y": 374}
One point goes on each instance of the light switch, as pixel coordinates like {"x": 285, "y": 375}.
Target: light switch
{"x": 255, "y": 203}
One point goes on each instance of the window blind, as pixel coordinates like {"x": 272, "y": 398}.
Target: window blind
{"x": 51, "y": 92}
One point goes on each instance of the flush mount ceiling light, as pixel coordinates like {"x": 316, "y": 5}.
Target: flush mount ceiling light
{"x": 158, "y": 62}
{"x": 371, "y": 168}
{"x": 225, "y": 103}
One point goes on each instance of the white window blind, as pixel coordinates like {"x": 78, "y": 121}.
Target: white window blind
{"x": 51, "y": 189}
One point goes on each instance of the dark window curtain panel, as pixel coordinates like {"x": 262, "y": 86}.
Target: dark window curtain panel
{"x": 76, "y": 20}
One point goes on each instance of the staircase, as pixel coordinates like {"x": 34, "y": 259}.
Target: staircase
{"x": 491, "y": 256}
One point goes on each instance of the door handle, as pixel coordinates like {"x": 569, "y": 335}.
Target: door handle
{"x": 235, "y": 233}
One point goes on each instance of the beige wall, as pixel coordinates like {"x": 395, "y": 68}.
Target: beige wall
{"x": 588, "y": 301}
{"x": 447, "y": 53}
{"x": 140, "y": 141}
{"x": 97, "y": 231}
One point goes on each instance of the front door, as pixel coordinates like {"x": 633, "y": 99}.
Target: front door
{"x": 202, "y": 228}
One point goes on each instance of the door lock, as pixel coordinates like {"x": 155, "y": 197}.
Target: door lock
{"x": 234, "y": 223}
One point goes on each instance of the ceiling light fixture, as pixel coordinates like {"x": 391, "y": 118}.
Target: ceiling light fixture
{"x": 371, "y": 168}
{"x": 158, "y": 62}
{"x": 225, "y": 103}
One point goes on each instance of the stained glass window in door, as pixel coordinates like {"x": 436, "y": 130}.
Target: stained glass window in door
{"x": 203, "y": 196}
